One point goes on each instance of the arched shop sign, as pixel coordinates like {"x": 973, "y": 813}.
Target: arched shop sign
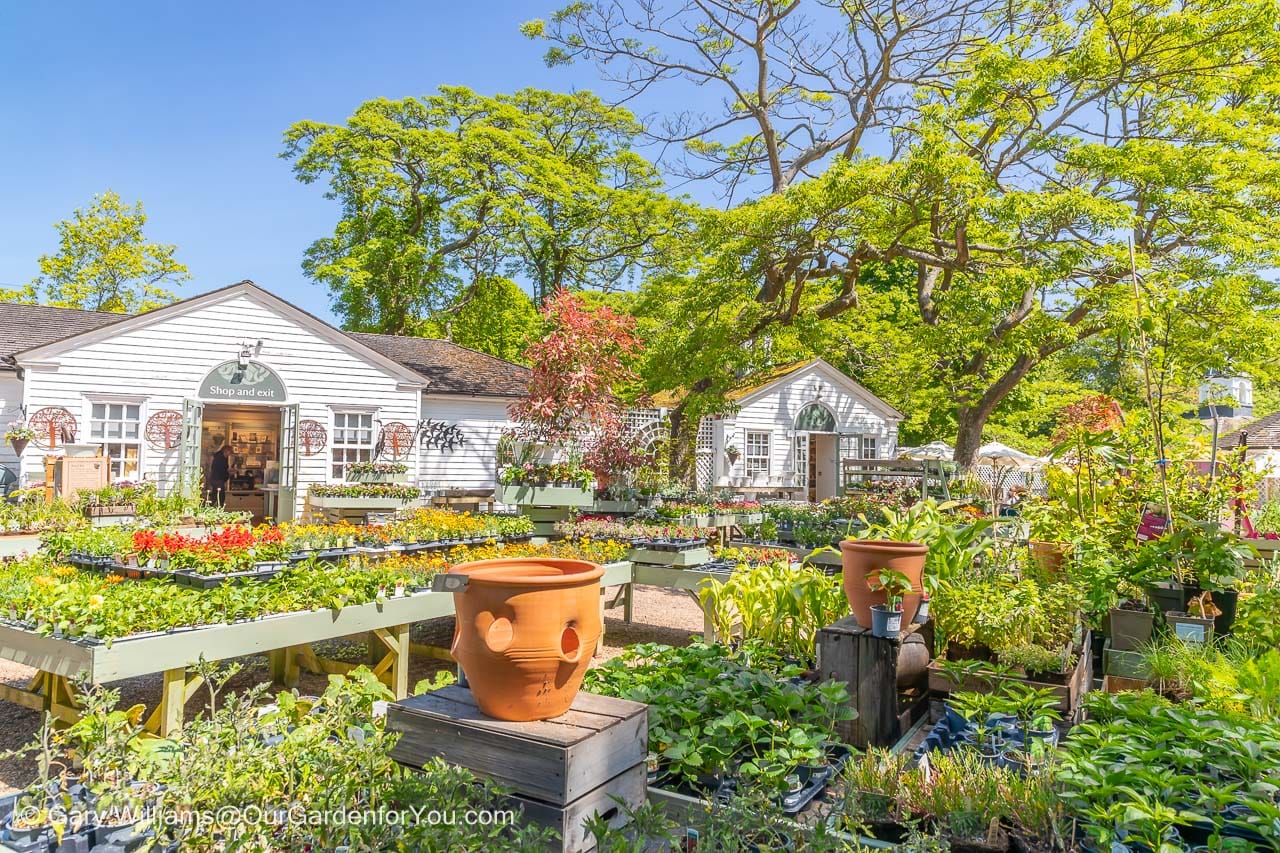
{"x": 252, "y": 382}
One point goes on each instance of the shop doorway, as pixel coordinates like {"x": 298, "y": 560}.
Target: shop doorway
{"x": 258, "y": 446}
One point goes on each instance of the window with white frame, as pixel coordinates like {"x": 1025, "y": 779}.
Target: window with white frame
{"x": 870, "y": 447}
{"x": 118, "y": 428}
{"x": 756, "y": 453}
{"x": 352, "y": 440}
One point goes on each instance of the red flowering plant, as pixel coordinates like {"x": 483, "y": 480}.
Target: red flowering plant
{"x": 579, "y": 370}
{"x": 233, "y": 548}
{"x": 1084, "y": 441}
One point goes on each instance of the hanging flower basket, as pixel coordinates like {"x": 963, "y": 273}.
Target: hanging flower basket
{"x": 19, "y": 435}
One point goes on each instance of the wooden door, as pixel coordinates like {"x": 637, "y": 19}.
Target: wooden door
{"x": 812, "y": 481}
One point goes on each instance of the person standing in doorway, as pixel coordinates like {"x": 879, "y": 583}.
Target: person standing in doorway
{"x": 220, "y": 474}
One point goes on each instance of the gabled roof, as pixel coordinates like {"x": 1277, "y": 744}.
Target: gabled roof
{"x": 1264, "y": 432}
{"x": 450, "y": 368}
{"x": 35, "y": 331}
{"x": 763, "y": 382}
{"x": 25, "y": 326}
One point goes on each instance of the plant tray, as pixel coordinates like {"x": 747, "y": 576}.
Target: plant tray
{"x": 670, "y": 545}
{"x": 553, "y": 496}
{"x": 1069, "y": 694}
{"x": 119, "y": 509}
{"x": 196, "y": 580}
{"x": 615, "y": 507}
{"x": 681, "y": 559}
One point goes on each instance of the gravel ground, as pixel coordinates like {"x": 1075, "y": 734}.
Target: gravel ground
{"x": 660, "y": 616}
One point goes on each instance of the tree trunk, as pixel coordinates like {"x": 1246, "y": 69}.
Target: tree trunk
{"x": 970, "y": 422}
{"x": 971, "y": 418}
{"x": 680, "y": 463}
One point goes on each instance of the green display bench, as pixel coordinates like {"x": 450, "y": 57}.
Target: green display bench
{"x": 286, "y": 638}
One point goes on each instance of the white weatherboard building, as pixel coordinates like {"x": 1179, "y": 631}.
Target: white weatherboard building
{"x": 790, "y": 432}
{"x": 295, "y": 399}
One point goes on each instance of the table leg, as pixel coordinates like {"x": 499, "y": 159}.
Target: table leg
{"x": 166, "y": 720}
{"x": 396, "y": 658}
{"x": 292, "y": 672}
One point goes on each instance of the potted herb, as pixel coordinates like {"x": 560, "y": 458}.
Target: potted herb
{"x": 979, "y": 709}
{"x": 886, "y": 619}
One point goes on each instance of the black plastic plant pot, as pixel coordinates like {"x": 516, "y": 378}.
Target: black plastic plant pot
{"x": 122, "y": 837}
{"x": 1167, "y": 596}
{"x": 31, "y": 838}
{"x": 1226, "y": 600}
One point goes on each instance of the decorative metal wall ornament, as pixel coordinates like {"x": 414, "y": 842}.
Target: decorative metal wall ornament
{"x": 54, "y": 426}
{"x": 164, "y": 429}
{"x": 438, "y": 435}
{"x": 395, "y": 441}
{"x": 312, "y": 437}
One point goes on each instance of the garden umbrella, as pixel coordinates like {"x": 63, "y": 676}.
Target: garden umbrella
{"x": 935, "y": 450}
{"x": 999, "y": 455}
{"x": 1002, "y": 458}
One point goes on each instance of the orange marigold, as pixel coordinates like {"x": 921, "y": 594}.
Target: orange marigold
{"x": 115, "y": 578}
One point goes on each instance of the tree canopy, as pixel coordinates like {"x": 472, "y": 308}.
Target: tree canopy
{"x": 104, "y": 263}
{"x": 447, "y": 191}
{"x": 998, "y": 157}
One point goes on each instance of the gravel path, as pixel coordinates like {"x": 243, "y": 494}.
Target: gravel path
{"x": 660, "y": 616}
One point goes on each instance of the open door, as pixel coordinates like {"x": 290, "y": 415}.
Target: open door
{"x": 190, "y": 474}
{"x": 287, "y": 501}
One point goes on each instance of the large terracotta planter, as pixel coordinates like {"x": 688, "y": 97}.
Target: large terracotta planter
{"x": 526, "y": 630}
{"x": 861, "y": 557}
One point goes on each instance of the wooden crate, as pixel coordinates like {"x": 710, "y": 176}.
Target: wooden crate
{"x": 1069, "y": 694}
{"x": 554, "y": 761}
{"x": 628, "y": 786}
{"x": 1120, "y": 684}
{"x": 868, "y": 665}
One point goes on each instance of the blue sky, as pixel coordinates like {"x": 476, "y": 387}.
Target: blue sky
{"x": 182, "y": 106}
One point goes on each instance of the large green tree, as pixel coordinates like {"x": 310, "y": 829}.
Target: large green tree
{"x": 497, "y": 318}
{"x": 1005, "y": 151}
{"x": 105, "y": 263}
{"x": 444, "y": 192}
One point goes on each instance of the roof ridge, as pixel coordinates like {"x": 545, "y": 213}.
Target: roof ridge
{"x": 482, "y": 353}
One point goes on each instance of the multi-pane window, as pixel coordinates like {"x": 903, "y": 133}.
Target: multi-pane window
{"x": 756, "y": 452}
{"x": 870, "y": 448}
{"x": 352, "y": 440}
{"x": 118, "y": 428}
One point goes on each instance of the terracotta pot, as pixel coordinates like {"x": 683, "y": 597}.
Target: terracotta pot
{"x": 526, "y": 630}
{"x": 1049, "y": 556}
{"x": 861, "y": 557}
{"x": 19, "y": 445}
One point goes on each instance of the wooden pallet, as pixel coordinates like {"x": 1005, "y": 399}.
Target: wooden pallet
{"x": 560, "y": 771}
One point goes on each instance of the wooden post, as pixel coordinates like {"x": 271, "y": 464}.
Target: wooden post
{"x": 868, "y": 666}
{"x": 400, "y": 666}
{"x": 292, "y": 672}
{"x": 173, "y": 699}
{"x": 275, "y": 665}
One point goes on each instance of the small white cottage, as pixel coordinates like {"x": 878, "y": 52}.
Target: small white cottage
{"x": 292, "y": 399}
{"x": 789, "y": 433}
